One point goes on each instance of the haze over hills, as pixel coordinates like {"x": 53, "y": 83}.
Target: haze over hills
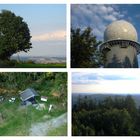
{"x": 101, "y": 97}
{"x": 40, "y": 59}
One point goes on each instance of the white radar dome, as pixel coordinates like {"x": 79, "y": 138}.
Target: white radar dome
{"x": 120, "y": 29}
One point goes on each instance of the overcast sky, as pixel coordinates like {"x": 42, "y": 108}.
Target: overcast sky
{"x": 47, "y": 24}
{"x": 107, "y": 81}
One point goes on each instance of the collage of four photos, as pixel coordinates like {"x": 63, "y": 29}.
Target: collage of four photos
{"x": 89, "y": 87}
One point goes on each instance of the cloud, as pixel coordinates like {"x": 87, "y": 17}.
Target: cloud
{"x": 106, "y": 81}
{"x": 84, "y": 78}
{"x": 108, "y": 86}
{"x": 95, "y": 16}
{"x": 137, "y": 16}
{"x": 110, "y": 17}
{"x": 51, "y": 36}
{"x": 97, "y": 77}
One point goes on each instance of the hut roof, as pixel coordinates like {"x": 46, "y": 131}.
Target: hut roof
{"x": 27, "y": 94}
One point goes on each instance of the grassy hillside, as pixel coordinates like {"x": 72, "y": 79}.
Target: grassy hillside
{"x": 16, "y": 119}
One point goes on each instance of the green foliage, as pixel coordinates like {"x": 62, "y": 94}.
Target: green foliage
{"x": 42, "y": 82}
{"x": 84, "y": 51}
{"x": 7, "y": 63}
{"x": 110, "y": 117}
{"x": 130, "y": 105}
{"x": 14, "y": 35}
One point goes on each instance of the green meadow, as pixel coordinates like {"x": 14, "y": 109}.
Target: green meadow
{"x": 15, "y": 64}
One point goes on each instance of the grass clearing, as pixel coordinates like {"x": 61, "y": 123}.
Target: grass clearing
{"x": 60, "y": 131}
{"x": 50, "y": 65}
{"x": 17, "y": 121}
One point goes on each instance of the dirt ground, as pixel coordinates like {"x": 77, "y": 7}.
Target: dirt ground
{"x": 42, "y": 129}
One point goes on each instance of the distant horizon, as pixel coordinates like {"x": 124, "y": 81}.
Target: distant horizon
{"x": 15, "y": 55}
{"x": 108, "y": 93}
{"x": 40, "y": 59}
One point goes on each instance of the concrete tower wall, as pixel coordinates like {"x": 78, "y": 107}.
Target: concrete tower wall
{"x": 121, "y": 57}
{"x": 120, "y": 47}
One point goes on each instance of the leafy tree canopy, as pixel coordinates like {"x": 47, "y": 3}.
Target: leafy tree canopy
{"x": 84, "y": 51}
{"x": 14, "y": 35}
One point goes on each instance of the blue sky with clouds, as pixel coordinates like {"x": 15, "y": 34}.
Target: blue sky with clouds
{"x": 99, "y": 16}
{"x": 107, "y": 81}
{"x": 47, "y": 24}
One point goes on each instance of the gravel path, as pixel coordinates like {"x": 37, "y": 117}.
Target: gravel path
{"x": 41, "y": 129}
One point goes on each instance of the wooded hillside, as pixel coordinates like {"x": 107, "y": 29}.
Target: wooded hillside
{"x": 109, "y": 117}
